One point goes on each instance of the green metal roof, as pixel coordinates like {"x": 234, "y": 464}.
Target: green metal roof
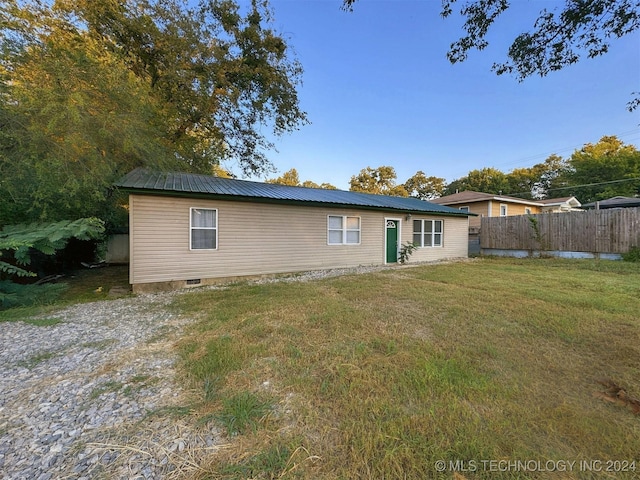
{"x": 191, "y": 185}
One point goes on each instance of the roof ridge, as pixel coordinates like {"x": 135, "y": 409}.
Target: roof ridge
{"x": 181, "y": 183}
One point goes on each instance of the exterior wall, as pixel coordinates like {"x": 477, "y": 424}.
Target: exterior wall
{"x": 513, "y": 209}
{"x": 491, "y": 208}
{"x": 560, "y": 209}
{"x": 482, "y": 209}
{"x": 118, "y": 248}
{"x": 455, "y": 242}
{"x": 261, "y": 239}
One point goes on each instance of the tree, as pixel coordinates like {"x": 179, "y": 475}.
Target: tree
{"x": 218, "y": 171}
{"x": 487, "y": 180}
{"x": 289, "y": 177}
{"x": 522, "y": 182}
{"x": 323, "y": 185}
{"x": 292, "y": 179}
{"x": 73, "y": 119}
{"x": 553, "y": 174}
{"x": 423, "y": 187}
{"x": 557, "y": 39}
{"x": 89, "y": 90}
{"x": 22, "y": 239}
{"x": 603, "y": 170}
{"x": 381, "y": 181}
{"x": 536, "y": 182}
{"x": 456, "y": 186}
{"x": 18, "y": 242}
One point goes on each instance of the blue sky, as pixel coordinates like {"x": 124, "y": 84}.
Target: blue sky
{"x": 379, "y": 90}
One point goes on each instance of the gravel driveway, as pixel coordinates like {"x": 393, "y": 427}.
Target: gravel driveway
{"x": 93, "y": 396}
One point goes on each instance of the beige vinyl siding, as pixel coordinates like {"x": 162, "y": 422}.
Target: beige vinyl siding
{"x": 259, "y": 239}
{"x": 455, "y": 242}
{"x": 253, "y": 239}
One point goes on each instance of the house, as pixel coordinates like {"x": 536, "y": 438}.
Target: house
{"x": 614, "y": 202}
{"x": 560, "y": 205}
{"x": 188, "y": 229}
{"x": 489, "y": 205}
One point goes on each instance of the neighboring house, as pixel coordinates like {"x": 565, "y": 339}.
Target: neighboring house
{"x": 560, "y": 205}
{"x": 488, "y": 205}
{"x": 190, "y": 229}
{"x": 614, "y": 202}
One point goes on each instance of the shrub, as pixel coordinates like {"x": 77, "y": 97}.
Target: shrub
{"x": 633, "y": 255}
{"x": 19, "y": 243}
{"x": 14, "y": 294}
{"x": 406, "y": 249}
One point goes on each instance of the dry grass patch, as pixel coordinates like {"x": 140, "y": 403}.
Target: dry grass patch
{"x": 380, "y": 375}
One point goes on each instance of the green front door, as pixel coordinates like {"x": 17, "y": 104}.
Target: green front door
{"x": 392, "y": 241}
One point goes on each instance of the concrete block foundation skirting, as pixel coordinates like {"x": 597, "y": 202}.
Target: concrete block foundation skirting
{"x": 549, "y": 253}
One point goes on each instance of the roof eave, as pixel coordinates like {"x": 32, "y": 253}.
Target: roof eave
{"x": 309, "y": 203}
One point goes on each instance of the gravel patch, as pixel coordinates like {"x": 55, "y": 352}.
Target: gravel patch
{"x": 94, "y": 395}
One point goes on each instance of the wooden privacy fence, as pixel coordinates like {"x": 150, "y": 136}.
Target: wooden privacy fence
{"x": 593, "y": 231}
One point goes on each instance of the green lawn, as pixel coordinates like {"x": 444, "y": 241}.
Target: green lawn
{"x": 493, "y": 366}
{"x": 381, "y": 375}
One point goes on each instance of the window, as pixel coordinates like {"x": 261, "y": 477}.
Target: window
{"x": 503, "y": 210}
{"x": 428, "y": 233}
{"x": 527, "y": 211}
{"x": 464, "y": 209}
{"x": 342, "y": 230}
{"x": 204, "y": 229}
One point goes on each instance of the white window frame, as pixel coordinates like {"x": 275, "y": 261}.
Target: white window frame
{"x": 464, "y": 209}
{"x": 527, "y": 211}
{"x": 430, "y": 235}
{"x": 344, "y": 230}
{"x": 192, "y": 228}
{"x": 503, "y": 206}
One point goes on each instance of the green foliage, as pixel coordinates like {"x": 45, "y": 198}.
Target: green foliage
{"x": 44, "y": 237}
{"x": 243, "y": 412}
{"x": 486, "y": 180}
{"x": 633, "y": 255}
{"x": 323, "y": 185}
{"x": 604, "y": 170}
{"x": 273, "y": 462}
{"x": 522, "y": 182}
{"x": 535, "y": 226}
{"x": 42, "y": 322}
{"x": 21, "y": 240}
{"x": 594, "y": 172}
{"x": 90, "y": 90}
{"x": 381, "y": 181}
{"x": 291, "y": 178}
{"x": 14, "y": 295}
{"x": 406, "y": 250}
{"x": 423, "y": 187}
{"x": 558, "y": 37}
